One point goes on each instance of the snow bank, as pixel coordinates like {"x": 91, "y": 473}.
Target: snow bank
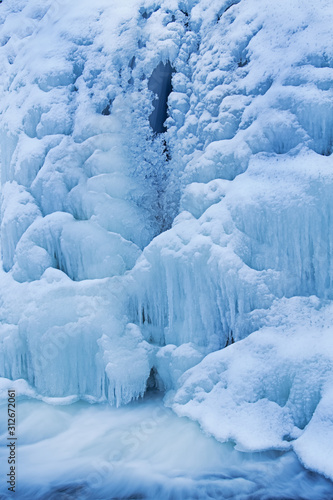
{"x": 272, "y": 390}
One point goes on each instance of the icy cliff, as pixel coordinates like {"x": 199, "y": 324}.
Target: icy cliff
{"x": 191, "y": 254}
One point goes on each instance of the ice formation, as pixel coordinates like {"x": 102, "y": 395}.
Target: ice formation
{"x": 192, "y": 254}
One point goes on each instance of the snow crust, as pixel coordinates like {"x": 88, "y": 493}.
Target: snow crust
{"x": 197, "y": 259}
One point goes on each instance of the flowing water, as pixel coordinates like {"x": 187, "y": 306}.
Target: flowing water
{"x": 141, "y": 451}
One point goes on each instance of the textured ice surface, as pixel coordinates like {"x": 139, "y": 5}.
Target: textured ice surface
{"x": 131, "y": 254}
{"x": 70, "y": 339}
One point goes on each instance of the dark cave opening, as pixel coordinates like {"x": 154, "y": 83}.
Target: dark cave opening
{"x": 160, "y": 84}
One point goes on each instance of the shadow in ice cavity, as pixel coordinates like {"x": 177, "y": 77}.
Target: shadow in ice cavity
{"x": 160, "y": 84}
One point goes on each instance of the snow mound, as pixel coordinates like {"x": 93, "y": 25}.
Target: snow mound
{"x": 272, "y": 390}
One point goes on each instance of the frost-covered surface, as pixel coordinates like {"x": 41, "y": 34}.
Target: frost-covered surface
{"x": 128, "y": 256}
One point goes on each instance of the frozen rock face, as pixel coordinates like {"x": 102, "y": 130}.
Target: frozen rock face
{"x": 134, "y": 246}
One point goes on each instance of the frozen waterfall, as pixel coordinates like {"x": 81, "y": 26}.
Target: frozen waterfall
{"x": 166, "y": 213}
